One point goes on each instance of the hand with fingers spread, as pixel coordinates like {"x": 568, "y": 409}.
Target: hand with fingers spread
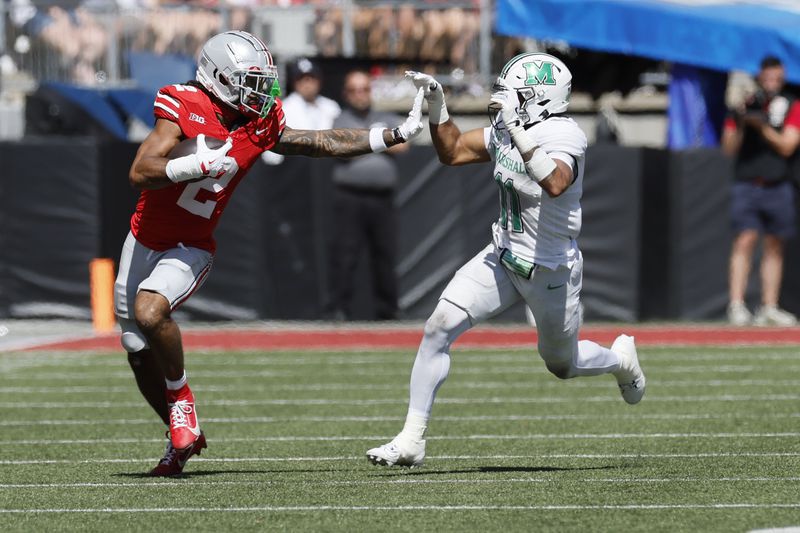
{"x": 204, "y": 163}
{"x": 437, "y": 110}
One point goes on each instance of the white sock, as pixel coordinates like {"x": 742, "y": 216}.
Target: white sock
{"x": 432, "y": 364}
{"x": 175, "y": 385}
{"x": 415, "y": 427}
{"x": 592, "y": 360}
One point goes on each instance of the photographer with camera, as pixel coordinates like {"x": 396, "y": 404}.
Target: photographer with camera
{"x": 762, "y": 136}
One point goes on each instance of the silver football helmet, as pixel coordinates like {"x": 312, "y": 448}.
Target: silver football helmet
{"x": 542, "y": 83}
{"x": 238, "y": 69}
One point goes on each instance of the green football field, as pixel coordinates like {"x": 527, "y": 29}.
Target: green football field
{"x": 714, "y": 446}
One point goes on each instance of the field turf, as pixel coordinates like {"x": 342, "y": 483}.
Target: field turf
{"x": 714, "y": 446}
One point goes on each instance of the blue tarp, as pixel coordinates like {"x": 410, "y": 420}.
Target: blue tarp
{"x": 720, "y": 36}
{"x": 696, "y": 107}
{"x": 112, "y": 107}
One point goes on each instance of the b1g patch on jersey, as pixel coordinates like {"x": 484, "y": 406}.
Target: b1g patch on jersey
{"x": 197, "y": 118}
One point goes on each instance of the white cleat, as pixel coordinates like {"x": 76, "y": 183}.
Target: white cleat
{"x": 398, "y": 452}
{"x": 630, "y": 377}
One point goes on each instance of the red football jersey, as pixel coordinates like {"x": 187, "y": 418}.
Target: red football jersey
{"x": 188, "y": 212}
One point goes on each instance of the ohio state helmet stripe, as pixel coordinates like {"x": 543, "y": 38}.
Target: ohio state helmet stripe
{"x": 256, "y": 42}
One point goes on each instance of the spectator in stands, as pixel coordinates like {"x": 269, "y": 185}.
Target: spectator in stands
{"x": 428, "y": 33}
{"x": 305, "y": 108}
{"x": 363, "y": 205}
{"x": 328, "y": 31}
{"x": 71, "y": 39}
{"x": 763, "y": 136}
{"x": 409, "y": 33}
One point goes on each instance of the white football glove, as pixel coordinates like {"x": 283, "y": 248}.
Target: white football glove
{"x": 413, "y": 124}
{"x": 437, "y": 110}
{"x": 540, "y": 165}
{"x": 504, "y": 100}
{"x": 204, "y": 163}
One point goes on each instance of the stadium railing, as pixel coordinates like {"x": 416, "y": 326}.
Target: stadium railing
{"x": 88, "y": 42}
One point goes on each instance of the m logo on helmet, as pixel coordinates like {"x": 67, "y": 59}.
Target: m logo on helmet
{"x": 539, "y": 73}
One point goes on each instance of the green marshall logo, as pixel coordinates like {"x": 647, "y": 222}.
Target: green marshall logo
{"x": 506, "y": 162}
{"x": 539, "y": 73}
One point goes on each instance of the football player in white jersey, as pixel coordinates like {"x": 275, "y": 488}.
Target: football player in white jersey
{"x": 539, "y": 157}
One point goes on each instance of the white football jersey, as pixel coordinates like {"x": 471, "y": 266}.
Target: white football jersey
{"x": 532, "y": 224}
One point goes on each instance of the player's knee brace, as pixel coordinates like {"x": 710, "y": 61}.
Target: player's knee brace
{"x": 133, "y": 342}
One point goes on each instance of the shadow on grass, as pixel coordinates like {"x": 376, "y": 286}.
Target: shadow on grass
{"x": 206, "y": 473}
{"x": 494, "y": 469}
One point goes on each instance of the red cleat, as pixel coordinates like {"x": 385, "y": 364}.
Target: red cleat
{"x": 183, "y": 427}
{"x": 174, "y": 460}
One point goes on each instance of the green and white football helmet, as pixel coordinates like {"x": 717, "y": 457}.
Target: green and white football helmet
{"x": 237, "y": 68}
{"x": 542, "y": 83}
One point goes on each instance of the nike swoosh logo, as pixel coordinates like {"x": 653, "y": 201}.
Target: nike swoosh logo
{"x": 261, "y": 132}
{"x": 553, "y": 287}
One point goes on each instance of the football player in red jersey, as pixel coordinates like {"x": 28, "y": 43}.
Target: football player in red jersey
{"x": 169, "y": 250}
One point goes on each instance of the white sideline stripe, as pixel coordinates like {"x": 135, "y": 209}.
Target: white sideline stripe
{"x": 403, "y": 387}
{"x": 390, "y": 401}
{"x": 532, "y": 370}
{"x": 323, "y": 438}
{"x": 709, "y": 455}
{"x": 400, "y": 481}
{"x": 511, "y": 418}
{"x": 314, "y": 509}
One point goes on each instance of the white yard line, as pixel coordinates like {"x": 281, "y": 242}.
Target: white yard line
{"x": 399, "y": 481}
{"x": 371, "y": 419}
{"x": 709, "y": 455}
{"x": 325, "y": 438}
{"x": 392, "y": 401}
{"x": 402, "y": 508}
{"x": 516, "y": 371}
{"x": 403, "y": 387}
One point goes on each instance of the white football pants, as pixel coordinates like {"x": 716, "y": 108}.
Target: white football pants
{"x": 483, "y": 288}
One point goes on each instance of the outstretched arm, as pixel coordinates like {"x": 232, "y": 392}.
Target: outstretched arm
{"x": 331, "y": 143}
{"x": 456, "y": 148}
{"x": 350, "y": 142}
{"x": 452, "y": 146}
